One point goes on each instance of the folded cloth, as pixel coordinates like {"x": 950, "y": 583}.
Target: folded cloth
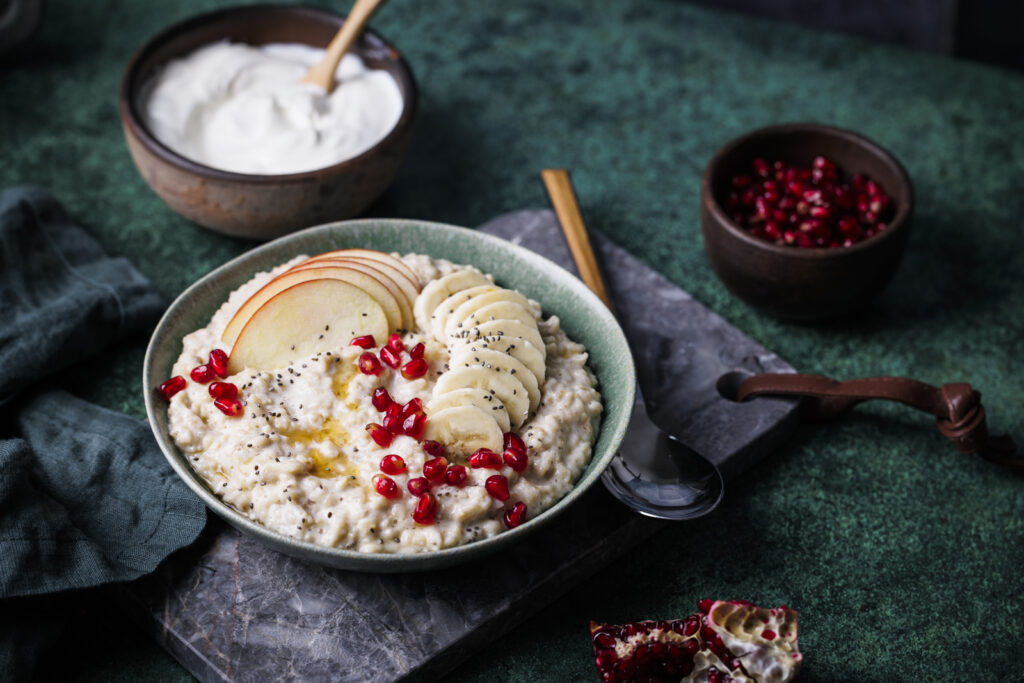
{"x": 86, "y": 497}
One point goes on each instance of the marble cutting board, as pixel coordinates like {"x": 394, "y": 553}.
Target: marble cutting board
{"x": 230, "y": 609}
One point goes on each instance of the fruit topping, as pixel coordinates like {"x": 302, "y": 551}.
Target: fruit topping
{"x": 395, "y": 343}
{"x": 414, "y": 369}
{"x": 456, "y": 476}
{"x": 171, "y": 387}
{"x": 434, "y": 469}
{"x": 515, "y": 459}
{"x": 381, "y": 399}
{"x": 433, "y": 448}
{"x": 365, "y": 341}
{"x": 485, "y": 459}
{"x": 202, "y": 374}
{"x": 369, "y": 365}
{"x": 515, "y": 516}
{"x": 425, "y": 509}
{"x": 229, "y": 406}
{"x": 219, "y": 362}
{"x": 392, "y": 464}
{"x": 386, "y": 486}
{"x": 417, "y": 351}
{"x": 381, "y": 436}
{"x": 390, "y": 357}
{"x": 418, "y": 486}
{"x": 497, "y": 486}
{"x": 223, "y": 390}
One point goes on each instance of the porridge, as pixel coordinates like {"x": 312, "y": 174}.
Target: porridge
{"x": 383, "y": 404}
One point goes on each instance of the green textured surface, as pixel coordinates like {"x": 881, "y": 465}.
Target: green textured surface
{"x": 903, "y": 557}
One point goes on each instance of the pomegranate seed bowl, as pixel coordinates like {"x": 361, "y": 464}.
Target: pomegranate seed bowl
{"x": 277, "y": 195}
{"x": 389, "y": 395}
{"x": 805, "y": 221}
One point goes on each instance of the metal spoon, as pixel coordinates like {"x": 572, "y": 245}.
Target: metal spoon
{"x": 653, "y": 472}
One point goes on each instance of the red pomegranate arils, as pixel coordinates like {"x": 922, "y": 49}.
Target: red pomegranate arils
{"x": 414, "y": 425}
{"x": 393, "y": 418}
{"x": 381, "y": 436}
{"x": 229, "y": 406}
{"x": 202, "y": 374}
{"x": 485, "y": 458}
{"x": 433, "y": 448}
{"x": 413, "y": 406}
{"x": 418, "y": 486}
{"x": 512, "y": 440}
{"x": 369, "y": 365}
{"x": 434, "y": 469}
{"x": 392, "y": 464}
{"x": 425, "y": 509}
{"x": 517, "y": 460}
{"x": 171, "y": 387}
{"x": 414, "y": 369}
{"x": 395, "y": 343}
{"x": 218, "y": 362}
{"x": 381, "y": 399}
{"x": 418, "y": 350}
{"x": 386, "y": 486}
{"x": 515, "y": 516}
{"x": 497, "y": 486}
{"x": 365, "y": 341}
{"x": 456, "y": 476}
{"x": 390, "y": 357}
{"x": 223, "y": 390}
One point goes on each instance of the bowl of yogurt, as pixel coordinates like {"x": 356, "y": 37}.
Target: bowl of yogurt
{"x": 222, "y": 130}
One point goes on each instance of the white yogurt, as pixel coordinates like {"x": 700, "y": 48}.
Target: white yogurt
{"x": 241, "y": 108}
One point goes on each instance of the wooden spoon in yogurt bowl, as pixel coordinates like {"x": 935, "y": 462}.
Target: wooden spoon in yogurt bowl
{"x": 322, "y": 73}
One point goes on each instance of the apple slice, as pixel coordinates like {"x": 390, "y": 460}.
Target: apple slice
{"x": 376, "y": 271}
{"x": 311, "y": 316}
{"x": 370, "y": 285}
{"x": 373, "y": 255}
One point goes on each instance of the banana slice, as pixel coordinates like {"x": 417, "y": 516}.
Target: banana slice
{"x": 464, "y": 429}
{"x": 502, "y": 363}
{"x": 495, "y": 330}
{"x": 481, "y": 398}
{"x": 509, "y": 390}
{"x": 517, "y": 347}
{"x": 441, "y": 288}
{"x": 448, "y": 306}
{"x": 456, "y": 320}
{"x": 502, "y": 310}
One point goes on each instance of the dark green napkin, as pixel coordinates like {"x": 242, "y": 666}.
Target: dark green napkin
{"x": 86, "y": 497}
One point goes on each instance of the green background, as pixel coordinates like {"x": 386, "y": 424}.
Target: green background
{"x": 903, "y": 557}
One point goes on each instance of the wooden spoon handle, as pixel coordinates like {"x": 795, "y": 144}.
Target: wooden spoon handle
{"x": 322, "y": 73}
{"x": 559, "y": 187}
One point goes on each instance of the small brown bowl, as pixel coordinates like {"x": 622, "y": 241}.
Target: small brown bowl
{"x": 263, "y": 206}
{"x": 790, "y": 282}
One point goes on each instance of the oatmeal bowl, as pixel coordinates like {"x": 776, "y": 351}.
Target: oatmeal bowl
{"x": 388, "y": 395}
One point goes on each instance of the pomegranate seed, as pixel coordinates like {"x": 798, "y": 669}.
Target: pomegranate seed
{"x": 772, "y": 230}
{"x": 456, "y": 475}
{"x": 393, "y": 418}
{"x": 510, "y": 440}
{"x": 202, "y": 374}
{"x": 386, "y": 486}
{"x": 768, "y": 634}
{"x": 418, "y": 350}
{"x": 171, "y": 387}
{"x": 219, "y": 362}
{"x": 418, "y": 486}
{"x": 425, "y": 509}
{"x": 761, "y": 167}
{"x": 434, "y": 469}
{"x": 516, "y": 460}
{"x": 392, "y": 464}
{"x": 390, "y": 357}
{"x": 485, "y": 459}
{"x": 433, "y": 448}
{"x": 413, "y": 406}
{"x": 223, "y": 390}
{"x": 395, "y": 343}
{"x": 872, "y": 188}
{"x": 414, "y": 425}
{"x": 365, "y": 341}
{"x": 497, "y": 486}
{"x": 704, "y": 606}
{"x": 741, "y": 181}
{"x": 381, "y": 436}
{"x": 229, "y": 406}
{"x": 414, "y": 369}
{"x": 369, "y": 365}
{"x": 381, "y": 399}
{"x": 515, "y": 516}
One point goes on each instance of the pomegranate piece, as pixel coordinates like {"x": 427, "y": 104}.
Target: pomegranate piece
{"x": 386, "y": 486}
{"x": 512, "y": 441}
{"x": 369, "y": 365}
{"x": 497, "y": 486}
{"x": 485, "y": 459}
{"x": 516, "y": 460}
{"x": 418, "y": 486}
{"x": 414, "y": 425}
{"x": 381, "y": 436}
{"x": 381, "y": 399}
{"x": 365, "y": 341}
{"x": 414, "y": 369}
{"x": 390, "y": 357}
{"x": 223, "y": 390}
{"x": 395, "y": 343}
{"x": 218, "y": 362}
{"x": 418, "y": 350}
{"x": 456, "y": 476}
{"x": 171, "y": 387}
{"x": 425, "y": 509}
{"x": 392, "y": 464}
{"x": 433, "y": 448}
{"x": 725, "y": 641}
{"x": 202, "y": 374}
{"x": 413, "y": 406}
{"x": 229, "y": 406}
{"x": 393, "y": 418}
{"x": 434, "y": 469}
{"x": 515, "y": 516}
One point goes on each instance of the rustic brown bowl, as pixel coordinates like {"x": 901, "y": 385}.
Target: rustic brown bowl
{"x": 263, "y": 206}
{"x": 794, "y": 283}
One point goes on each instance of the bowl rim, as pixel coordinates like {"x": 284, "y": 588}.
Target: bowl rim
{"x": 132, "y": 119}
{"x": 896, "y": 225}
{"x": 385, "y": 562}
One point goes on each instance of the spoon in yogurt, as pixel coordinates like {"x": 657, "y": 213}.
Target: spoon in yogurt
{"x": 322, "y": 73}
{"x": 653, "y": 472}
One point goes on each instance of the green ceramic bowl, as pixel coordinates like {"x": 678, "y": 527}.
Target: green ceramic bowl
{"x": 583, "y": 317}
